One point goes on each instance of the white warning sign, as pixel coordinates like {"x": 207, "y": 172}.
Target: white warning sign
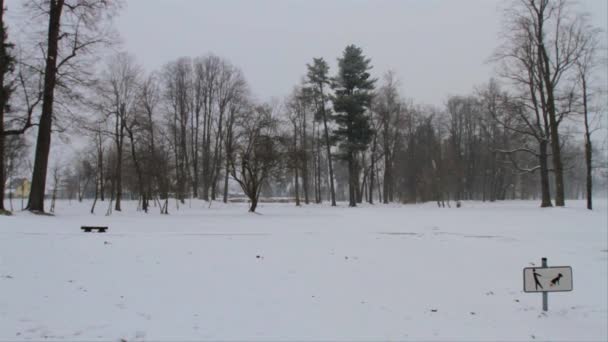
{"x": 548, "y": 279}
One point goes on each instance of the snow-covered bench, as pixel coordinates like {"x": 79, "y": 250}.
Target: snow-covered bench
{"x": 89, "y": 229}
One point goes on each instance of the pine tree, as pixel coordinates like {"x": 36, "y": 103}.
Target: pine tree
{"x": 353, "y": 95}
{"x": 7, "y": 64}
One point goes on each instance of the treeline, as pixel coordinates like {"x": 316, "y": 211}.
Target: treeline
{"x": 193, "y": 130}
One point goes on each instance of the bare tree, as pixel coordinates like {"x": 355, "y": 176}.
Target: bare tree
{"x": 74, "y": 29}
{"x": 178, "y": 96}
{"x": 519, "y": 58}
{"x": 586, "y": 63}
{"x": 118, "y": 95}
{"x": 236, "y": 108}
{"x": 207, "y": 71}
{"x": 230, "y": 87}
{"x": 149, "y": 98}
{"x": 257, "y": 153}
{"x": 318, "y": 77}
{"x": 554, "y": 35}
{"x": 389, "y": 108}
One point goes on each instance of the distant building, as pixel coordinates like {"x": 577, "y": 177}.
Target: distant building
{"x": 19, "y": 187}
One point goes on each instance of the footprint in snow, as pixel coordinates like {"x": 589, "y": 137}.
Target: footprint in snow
{"x": 145, "y": 315}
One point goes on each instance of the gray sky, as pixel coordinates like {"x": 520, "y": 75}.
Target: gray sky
{"x": 437, "y": 47}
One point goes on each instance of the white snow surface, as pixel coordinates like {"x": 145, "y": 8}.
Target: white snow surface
{"x": 381, "y": 272}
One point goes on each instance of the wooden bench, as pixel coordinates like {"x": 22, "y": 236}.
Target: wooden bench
{"x": 89, "y": 229}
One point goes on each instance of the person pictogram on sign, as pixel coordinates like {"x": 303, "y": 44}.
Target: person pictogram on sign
{"x": 536, "y": 281}
{"x": 555, "y": 281}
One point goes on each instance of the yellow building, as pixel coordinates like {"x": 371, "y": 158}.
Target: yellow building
{"x": 23, "y": 188}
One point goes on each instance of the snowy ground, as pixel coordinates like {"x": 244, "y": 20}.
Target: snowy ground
{"x": 313, "y": 273}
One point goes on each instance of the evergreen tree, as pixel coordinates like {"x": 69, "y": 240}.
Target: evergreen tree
{"x": 353, "y": 95}
{"x": 7, "y": 64}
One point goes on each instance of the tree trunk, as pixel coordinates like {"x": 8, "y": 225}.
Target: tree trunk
{"x": 228, "y": 156}
{"x": 295, "y": 168}
{"x": 545, "y": 68}
{"x": 297, "y": 186}
{"x": 329, "y": 162}
{"x": 305, "y": 174}
{"x": 305, "y": 168}
{"x": 314, "y": 163}
{"x": 387, "y": 182}
{"x": 387, "y": 178}
{"x": 371, "y": 183}
{"x": 138, "y": 171}
{"x": 3, "y": 101}
{"x": 319, "y": 195}
{"x": 352, "y": 187}
{"x": 588, "y": 149}
{"x": 194, "y": 129}
{"x": 544, "y": 176}
{"x": 226, "y": 178}
{"x": 118, "y": 171}
{"x": 217, "y": 158}
{"x": 254, "y": 205}
{"x": 96, "y": 196}
{"x": 2, "y": 175}
{"x": 589, "y": 182}
{"x": 43, "y": 143}
{"x": 100, "y": 167}
{"x": 556, "y": 157}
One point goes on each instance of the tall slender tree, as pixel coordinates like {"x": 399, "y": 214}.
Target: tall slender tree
{"x": 585, "y": 65}
{"x": 318, "y": 77}
{"x": 353, "y": 88}
{"x": 7, "y": 63}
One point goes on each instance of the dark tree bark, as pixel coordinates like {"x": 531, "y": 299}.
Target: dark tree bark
{"x": 296, "y": 164}
{"x": 352, "y": 184}
{"x": 229, "y": 156}
{"x": 304, "y": 165}
{"x": 544, "y": 175}
{"x": 6, "y": 64}
{"x": 43, "y": 143}
{"x": 588, "y": 147}
{"x": 138, "y": 170}
{"x": 554, "y": 130}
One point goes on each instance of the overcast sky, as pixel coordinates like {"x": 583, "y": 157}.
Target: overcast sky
{"x": 437, "y": 47}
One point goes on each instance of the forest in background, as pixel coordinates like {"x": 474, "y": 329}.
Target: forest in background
{"x": 193, "y": 130}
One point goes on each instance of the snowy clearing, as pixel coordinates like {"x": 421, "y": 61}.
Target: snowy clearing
{"x": 411, "y": 272}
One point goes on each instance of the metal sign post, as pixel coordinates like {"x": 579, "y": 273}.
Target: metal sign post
{"x": 545, "y": 293}
{"x": 547, "y": 279}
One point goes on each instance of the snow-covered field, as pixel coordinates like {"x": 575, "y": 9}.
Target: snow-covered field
{"x": 378, "y": 272}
